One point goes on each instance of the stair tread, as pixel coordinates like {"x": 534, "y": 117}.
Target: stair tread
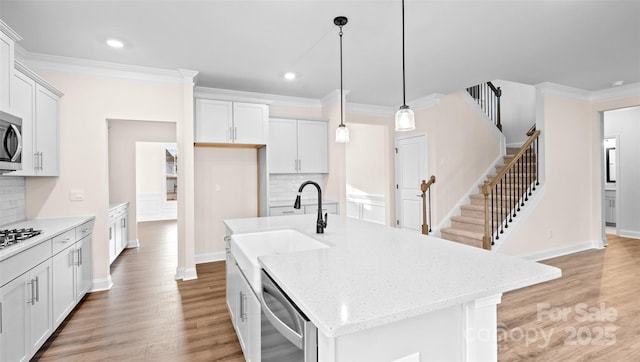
{"x": 464, "y": 233}
{"x": 467, "y": 219}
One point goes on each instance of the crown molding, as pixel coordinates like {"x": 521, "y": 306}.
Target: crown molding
{"x": 629, "y": 90}
{"x": 624, "y": 91}
{"x": 9, "y": 32}
{"x": 252, "y": 97}
{"x": 189, "y": 76}
{"x": 31, "y": 74}
{"x": 360, "y": 108}
{"x": 426, "y": 102}
{"x": 103, "y": 69}
{"x": 333, "y": 97}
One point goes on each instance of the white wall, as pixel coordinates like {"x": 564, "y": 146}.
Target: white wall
{"x": 567, "y": 214}
{"x": 625, "y": 124}
{"x": 517, "y": 109}
{"x": 87, "y": 104}
{"x": 226, "y": 187}
{"x": 150, "y": 182}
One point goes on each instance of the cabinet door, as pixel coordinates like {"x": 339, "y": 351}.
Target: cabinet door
{"x": 63, "y": 284}
{"x": 113, "y": 231}
{"x": 254, "y": 325}
{"x": 213, "y": 121}
{"x": 40, "y": 309}
{"x": 14, "y": 311}
{"x": 282, "y": 146}
{"x": 312, "y": 147}
{"x": 6, "y": 69}
{"x": 326, "y": 209}
{"x": 233, "y": 288}
{"x": 23, "y": 90}
{"x": 46, "y": 128}
{"x": 250, "y": 123}
{"x": 124, "y": 231}
{"x": 83, "y": 267}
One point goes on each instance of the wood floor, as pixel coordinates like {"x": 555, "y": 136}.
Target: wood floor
{"x": 147, "y": 315}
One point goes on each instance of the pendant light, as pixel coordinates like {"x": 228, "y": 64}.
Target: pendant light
{"x": 342, "y": 132}
{"x": 405, "y": 119}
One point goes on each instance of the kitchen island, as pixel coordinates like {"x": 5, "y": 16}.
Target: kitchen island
{"x": 384, "y": 294}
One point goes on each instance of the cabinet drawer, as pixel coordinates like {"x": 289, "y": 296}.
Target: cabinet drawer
{"x": 64, "y": 241}
{"x": 326, "y": 208}
{"x": 84, "y": 230}
{"x": 284, "y": 210}
{"x": 22, "y": 262}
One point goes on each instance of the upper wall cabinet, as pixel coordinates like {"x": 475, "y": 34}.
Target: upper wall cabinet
{"x": 230, "y": 122}
{"x": 7, "y": 45}
{"x": 298, "y": 146}
{"x": 37, "y": 103}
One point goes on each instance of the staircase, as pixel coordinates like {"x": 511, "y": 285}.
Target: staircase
{"x": 499, "y": 199}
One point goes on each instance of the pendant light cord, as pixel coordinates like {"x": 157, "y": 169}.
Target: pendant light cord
{"x": 404, "y": 100}
{"x": 341, "y": 110}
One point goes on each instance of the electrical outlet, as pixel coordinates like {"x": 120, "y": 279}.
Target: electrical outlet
{"x": 76, "y": 195}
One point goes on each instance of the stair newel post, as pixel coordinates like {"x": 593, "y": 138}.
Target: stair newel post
{"x": 498, "y": 121}
{"x": 486, "y": 238}
{"x": 425, "y": 227}
{"x": 537, "y": 150}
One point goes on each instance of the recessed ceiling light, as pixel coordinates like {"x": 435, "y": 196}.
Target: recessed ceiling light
{"x": 617, "y": 83}
{"x": 115, "y": 43}
{"x": 289, "y": 76}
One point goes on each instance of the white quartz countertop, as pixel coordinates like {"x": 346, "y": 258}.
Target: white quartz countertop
{"x": 373, "y": 275}
{"x": 116, "y": 204}
{"x": 50, "y": 227}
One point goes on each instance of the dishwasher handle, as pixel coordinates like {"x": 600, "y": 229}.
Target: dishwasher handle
{"x": 268, "y": 287}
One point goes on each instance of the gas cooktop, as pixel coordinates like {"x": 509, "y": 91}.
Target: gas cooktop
{"x": 9, "y": 237}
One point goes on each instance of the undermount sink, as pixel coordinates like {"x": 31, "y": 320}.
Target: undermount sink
{"x": 246, "y": 248}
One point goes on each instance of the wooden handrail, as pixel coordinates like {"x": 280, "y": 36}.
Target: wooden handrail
{"x": 488, "y": 185}
{"x": 424, "y": 186}
{"x": 495, "y": 217}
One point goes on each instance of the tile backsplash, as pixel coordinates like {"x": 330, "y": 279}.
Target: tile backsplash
{"x": 12, "y": 199}
{"x": 284, "y": 187}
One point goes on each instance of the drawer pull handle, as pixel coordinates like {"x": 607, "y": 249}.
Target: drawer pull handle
{"x": 288, "y": 212}
{"x": 64, "y": 241}
{"x": 85, "y": 230}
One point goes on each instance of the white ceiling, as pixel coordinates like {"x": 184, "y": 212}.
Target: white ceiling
{"x": 248, "y": 45}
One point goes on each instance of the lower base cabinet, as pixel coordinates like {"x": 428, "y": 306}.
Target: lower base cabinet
{"x": 25, "y": 308}
{"x": 39, "y": 288}
{"x": 244, "y": 308}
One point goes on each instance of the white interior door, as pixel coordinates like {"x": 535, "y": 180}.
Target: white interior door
{"x": 411, "y": 169}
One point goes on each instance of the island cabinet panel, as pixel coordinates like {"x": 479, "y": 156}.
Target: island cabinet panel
{"x": 244, "y": 308}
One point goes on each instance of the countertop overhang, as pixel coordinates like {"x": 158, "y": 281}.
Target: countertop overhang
{"x": 373, "y": 274}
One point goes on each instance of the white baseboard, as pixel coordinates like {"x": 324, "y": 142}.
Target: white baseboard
{"x": 210, "y": 257}
{"x": 553, "y": 253}
{"x": 629, "y": 234}
{"x": 133, "y": 244}
{"x": 186, "y": 273}
{"x": 98, "y": 285}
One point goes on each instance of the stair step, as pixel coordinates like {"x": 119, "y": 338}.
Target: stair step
{"x": 462, "y": 236}
{"x": 520, "y": 176}
{"x": 477, "y": 211}
{"x": 478, "y": 199}
{"x": 467, "y": 223}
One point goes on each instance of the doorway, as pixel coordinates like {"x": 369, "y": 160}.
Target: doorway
{"x": 411, "y": 169}
{"x": 621, "y": 171}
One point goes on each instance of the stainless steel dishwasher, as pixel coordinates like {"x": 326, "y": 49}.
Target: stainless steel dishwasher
{"x": 287, "y": 334}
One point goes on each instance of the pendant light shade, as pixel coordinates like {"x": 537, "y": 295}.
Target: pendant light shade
{"x": 342, "y": 132}
{"x": 405, "y": 120}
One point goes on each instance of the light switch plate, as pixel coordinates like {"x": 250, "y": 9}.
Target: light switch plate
{"x": 76, "y": 195}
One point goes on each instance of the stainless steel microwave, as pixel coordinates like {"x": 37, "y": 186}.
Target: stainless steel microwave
{"x": 11, "y": 147}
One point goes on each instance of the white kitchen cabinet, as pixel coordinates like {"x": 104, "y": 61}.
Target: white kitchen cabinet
{"x": 37, "y": 103}
{"x": 284, "y": 210}
{"x": 72, "y": 273}
{"x": 298, "y": 146}
{"x": 227, "y": 122}
{"x": 118, "y": 230}
{"x": 7, "y": 47}
{"x": 610, "y": 207}
{"x": 244, "y": 308}
{"x": 26, "y": 313}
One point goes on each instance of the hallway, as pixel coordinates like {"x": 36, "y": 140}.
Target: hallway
{"x": 148, "y": 315}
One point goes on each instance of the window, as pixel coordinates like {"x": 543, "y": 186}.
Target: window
{"x": 171, "y": 173}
